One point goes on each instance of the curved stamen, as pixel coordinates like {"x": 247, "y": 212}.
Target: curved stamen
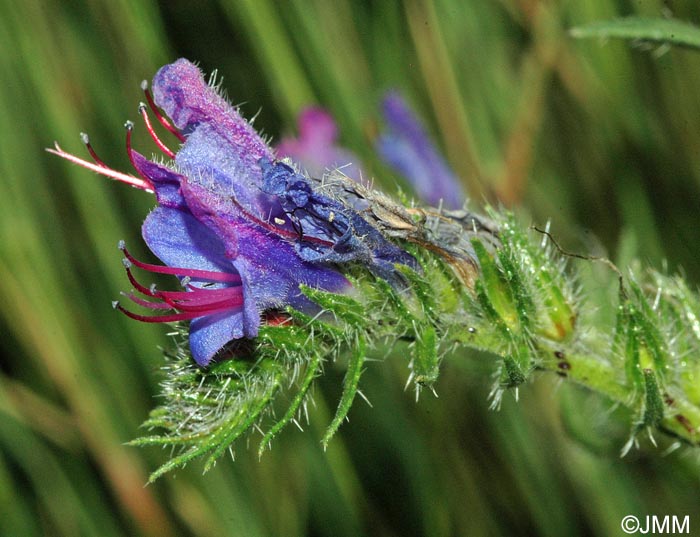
{"x": 185, "y": 316}
{"x": 205, "y": 307}
{"x": 147, "y": 303}
{"x": 175, "y": 271}
{"x": 139, "y": 287}
{"x": 129, "y": 126}
{"x": 197, "y": 299}
{"x": 164, "y": 148}
{"x": 86, "y": 141}
{"x": 103, "y": 170}
{"x": 163, "y": 121}
{"x": 197, "y": 292}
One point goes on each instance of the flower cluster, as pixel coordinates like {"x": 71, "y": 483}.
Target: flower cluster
{"x": 241, "y": 230}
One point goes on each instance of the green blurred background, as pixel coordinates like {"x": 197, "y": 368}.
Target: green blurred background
{"x": 601, "y": 138}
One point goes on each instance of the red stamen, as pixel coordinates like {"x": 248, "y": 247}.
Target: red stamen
{"x": 86, "y": 141}
{"x": 163, "y": 121}
{"x": 192, "y": 273}
{"x": 205, "y": 306}
{"x": 276, "y": 318}
{"x": 185, "y": 316}
{"x": 148, "y": 304}
{"x": 103, "y": 170}
{"x": 139, "y": 287}
{"x": 198, "y": 299}
{"x": 195, "y": 292}
{"x": 164, "y": 148}
{"x": 129, "y": 126}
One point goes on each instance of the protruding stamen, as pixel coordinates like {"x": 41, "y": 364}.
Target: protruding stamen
{"x": 164, "y": 148}
{"x": 184, "y": 316}
{"x": 195, "y": 300}
{"x": 129, "y": 126}
{"x": 146, "y": 303}
{"x": 175, "y": 271}
{"x": 163, "y": 121}
{"x": 86, "y": 141}
{"x": 103, "y": 170}
{"x": 139, "y": 287}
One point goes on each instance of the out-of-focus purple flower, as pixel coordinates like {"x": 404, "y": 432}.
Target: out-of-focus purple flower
{"x": 240, "y": 231}
{"x": 315, "y": 150}
{"x": 408, "y": 150}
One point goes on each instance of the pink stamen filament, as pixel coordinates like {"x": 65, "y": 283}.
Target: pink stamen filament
{"x": 103, "y": 170}
{"x": 201, "y": 303}
{"x": 164, "y": 148}
{"x": 163, "y": 121}
{"x": 196, "y": 298}
{"x": 197, "y": 302}
{"x": 192, "y": 273}
{"x": 147, "y": 303}
{"x": 184, "y": 316}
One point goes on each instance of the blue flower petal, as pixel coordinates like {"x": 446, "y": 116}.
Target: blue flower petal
{"x": 180, "y": 89}
{"x": 210, "y": 334}
{"x": 209, "y": 159}
{"x": 180, "y": 240}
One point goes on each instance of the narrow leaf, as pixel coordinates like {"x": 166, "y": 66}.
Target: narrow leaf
{"x": 670, "y": 31}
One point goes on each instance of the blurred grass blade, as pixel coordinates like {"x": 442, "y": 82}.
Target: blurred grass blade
{"x": 665, "y": 31}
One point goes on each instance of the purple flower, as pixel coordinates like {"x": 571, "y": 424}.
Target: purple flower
{"x": 315, "y": 150}
{"x": 407, "y": 149}
{"x": 241, "y": 231}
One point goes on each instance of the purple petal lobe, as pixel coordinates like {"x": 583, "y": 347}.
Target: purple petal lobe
{"x": 408, "y": 150}
{"x": 165, "y": 181}
{"x": 209, "y": 159}
{"x": 210, "y": 334}
{"x": 179, "y": 240}
{"x": 181, "y": 91}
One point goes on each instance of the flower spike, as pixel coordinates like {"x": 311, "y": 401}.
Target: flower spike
{"x": 279, "y": 272}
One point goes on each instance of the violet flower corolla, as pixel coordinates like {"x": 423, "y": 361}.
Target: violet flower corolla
{"x": 407, "y": 149}
{"x": 240, "y": 240}
{"x": 315, "y": 150}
